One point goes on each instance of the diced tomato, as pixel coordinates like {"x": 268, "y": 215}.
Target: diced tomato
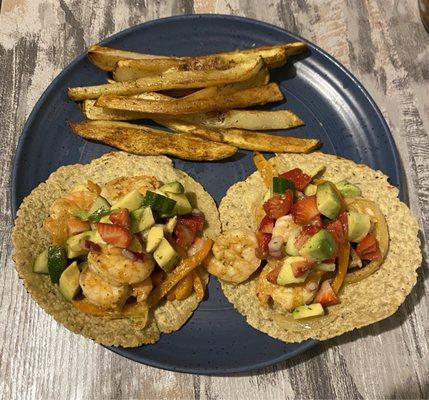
{"x": 184, "y": 234}
{"x": 273, "y": 274}
{"x": 263, "y": 240}
{"x": 115, "y": 234}
{"x": 121, "y": 218}
{"x": 325, "y": 295}
{"x": 279, "y": 205}
{"x": 305, "y": 210}
{"x": 337, "y": 231}
{"x": 368, "y": 249}
{"x": 299, "y": 268}
{"x": 76, "y": 225}
{"x": 299, "y": 178}
{"x": 266, "y": 225}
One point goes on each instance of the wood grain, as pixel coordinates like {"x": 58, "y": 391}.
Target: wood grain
{"x": 381, "y": 41}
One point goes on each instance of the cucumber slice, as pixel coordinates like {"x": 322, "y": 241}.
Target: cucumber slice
{"x": 280, "y": 185}
{"x": 57, "y": 262}
{"x": 40, "y": 265}
{"x": 69, "y": 281}
{"x": 172, "y": 187}
{"x": 162, "y": 204}
{"x": 183, "y": 206}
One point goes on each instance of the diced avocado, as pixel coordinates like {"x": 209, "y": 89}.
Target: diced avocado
{"x": 40, "y": 265}
{"x": 358, "y": 226}
{"x": 171, "y": 224}
{"x": 135, "y": 245}
{"x": 172, "y": 187}
{"x": 82, "y": 214}
{"x": 154, "y": 237}
{"x": 141, "y": 219}
{"x": 347, "y": 189}
{"x": 99, "y": 203}
{"x": 73, "y": 247}
{"x": 306, "y": 311}
{"x": 105, "y": 219}
{"x": 286, "y": 276}
{"x": 317, "y": 171}
{"x": 290, "y": 244}
{"x": 165, "y": 256}
{"x": 69, "y": 281}
{"x": 328, "y": 201}
{"x": 320, "y": 246}
{"x": 183, "y": 206}
{"x": 310, "y": 190}
{"x": 325, "y": 267}
{"x": 56, "y": 262}
{"x": 131, "y": 201}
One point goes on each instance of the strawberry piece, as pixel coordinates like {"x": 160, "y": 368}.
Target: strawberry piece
{"x": 266, "y": 225}
{"x": 115, "y": 234}
{"x": 317, "y": 221}
{"x": 263, "y": 240}
{"x": 121, "y": 218}
{"x": 76, "y": 225}
{"x": 194, "y": 222}
{"x": 368, "y": 249}
{"x": 299, "y": 178}
{"x": 185, "y": 233}
{"x": 337, "y": 231}
{"x": 279, "y": 205}
{"x": 305, "y": 210}
{"x": 273, "y": 274}
{"x": 299, "y": 268}
{"x": 344, "y": 222}
{"x": 325, "y": 295}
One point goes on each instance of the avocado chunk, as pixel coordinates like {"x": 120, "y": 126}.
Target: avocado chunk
{"x": 310, "y": 190}
{"x": 183, "y": 206}
{"x": 306, "y": 311}
{"x": 131, "y": 201}
{"x": 135, "y": 246}
{"x": 73, "y": 247}
{"x": 317, "y": 171}
{"x": 141, "y": 219}
{"x": 69, "y": 281}
{"x": 286, "y": 276}
{"x": 56, "y": 262}
{"x": 40, "y": 265}
{"x": 290, "y": 244}
{"x": 165, "y": 256}
{"x": 347, "y": 189}
{"x": 328, "y": 201}
{"x": 81, "y": 214}
{"x": 99, "y": 203}
{"x": 172, "y": 187}
{"x": 359, "y": 225}
{"x": 320, "y": 246}
{"x": 154, "y": 237}
{"x": 171, "y": 224}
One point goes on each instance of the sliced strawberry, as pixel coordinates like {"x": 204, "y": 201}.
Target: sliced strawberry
{"x": 325, "y": 295}
{"x": 299, "y": 178}
{"x": 311, "y": 229}
{"x": 317, "y": 221}
{"x": 194, "y": 222}
{"x": 337, "y": 231}
{"x": 121, "y": 218}
{"x": 273, "y": 274}
{"x": 302, "y": 238}
{"x": 263, "y": 240}
{"x": 305, "y": 210}
{"x": 184, "y": 234}
{"x": 115, "y": 234}
{"x": 279, "y": 205}
{"x": 76, "y": 225}
{"x": 368, "y": 249}
{"x": 267, "y": 225}
{"x": 299, "y": 268}
{"x": 344, "y": 222}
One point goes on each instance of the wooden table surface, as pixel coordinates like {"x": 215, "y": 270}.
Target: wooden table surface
{"x": 382, "y": 42}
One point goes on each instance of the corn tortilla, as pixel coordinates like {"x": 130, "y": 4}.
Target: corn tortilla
{"x": 363, "y": 303}
{"x": 30, "y": 238}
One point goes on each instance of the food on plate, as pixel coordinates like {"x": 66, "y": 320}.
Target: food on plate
{"x": 143, "y": 140}
{"x": 113, "y": 249}
{"x": 314, "y": 246}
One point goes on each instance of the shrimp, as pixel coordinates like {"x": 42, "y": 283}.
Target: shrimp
{"x": 287, "y": 298}
{"x": 100, "y": 292}
{"x": 142, "y": 290}
{"x": 119, "y": 187}
{"x": 56, "y": 223}
{"x": 284, "y": 226}
{"x": 234, "y": 258}
{"x": 117, "y": 269}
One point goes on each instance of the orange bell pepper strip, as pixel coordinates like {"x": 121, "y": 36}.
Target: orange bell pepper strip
{"x": 343, "y": 264}
{"x": 265, "y": 168}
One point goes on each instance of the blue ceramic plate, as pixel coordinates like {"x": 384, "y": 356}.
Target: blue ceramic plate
{"x": 333, "y": 104}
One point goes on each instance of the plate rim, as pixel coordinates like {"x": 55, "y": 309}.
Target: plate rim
{"x": 16, "y": 160}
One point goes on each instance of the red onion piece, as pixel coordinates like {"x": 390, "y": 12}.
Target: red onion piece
{"x": 132, "y": 255}
{"x": 90, "y": 246}
{"x": 275, "y": 247}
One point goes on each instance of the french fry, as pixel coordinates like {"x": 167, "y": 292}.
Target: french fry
{"x": 239, "y": 99}
{"x": 246, "y": 119}
{"x": 143, "y": 140}
{"x": 244, "y": 139}
{"x": 172, "y": 79}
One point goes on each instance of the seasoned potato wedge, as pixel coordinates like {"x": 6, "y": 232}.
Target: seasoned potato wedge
{"x": 244, "y": 139}
{"x": 246, "y": 119}
{"x": 143, "y": 140}
{"x": 172, "y": 79}
{"x": 239, "y": 99}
